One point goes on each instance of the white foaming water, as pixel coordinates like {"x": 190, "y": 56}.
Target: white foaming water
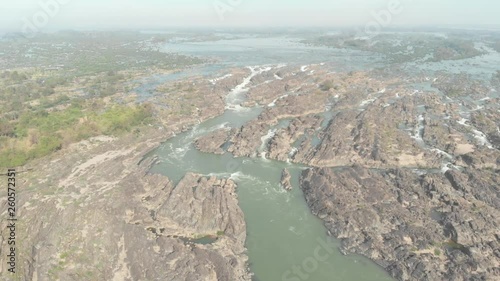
{"x": 233, "y": 98}
{"x": 419, "y": 130}
{"x": 419, "y": 172}
{"x": 329, "y": 106}
{"x": 280, "y": 190}
{"x": 238, "y": 176}
{"x": 222, "y": 125}
{"x": 367, "y": 102}
{"x": 215, "y": 80}
{"x": 265, "y": 82}
{"x": 193, "y": 132}
{"x": 197, "y": 132}
{"x": 263, "y": 156}
{"x": 267, "y": 191}
{"x": 478, "y": 107}
{"x": 238, "y": 108}
{"x": 264, "y": 140}
{"x": 482, "y": 139}
{"x": 444, "y": 153}
{"x": 273, "y": 104}
{"x": 219, "y": 175}
{"x": 445, "y": 168}
{"x": 179, "y": 152}
{"x": 277, "y": 77}
{"x": 241, "y": 88}
{"x": 463, "y": 121}
{"x": 292, "y": 229}
{"x": 303, "y": 68}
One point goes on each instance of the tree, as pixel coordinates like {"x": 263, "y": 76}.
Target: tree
{"x": 6, "y": 128}
{"x": 326, "y": 85}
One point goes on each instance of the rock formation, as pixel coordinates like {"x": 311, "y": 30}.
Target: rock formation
{"x": 418, "y": 227}
{"x": 213, "y": 142}
{"x": 285, "y": 180}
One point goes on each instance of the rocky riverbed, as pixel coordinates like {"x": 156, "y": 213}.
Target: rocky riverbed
{"x": 403, "y": 173}
{"x": 404, "y": 170}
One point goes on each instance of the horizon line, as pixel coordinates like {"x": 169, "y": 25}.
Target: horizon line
{"x": 257, "y": 27}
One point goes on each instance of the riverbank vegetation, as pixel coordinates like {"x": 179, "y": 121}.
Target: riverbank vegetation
{"x": 62, "y": 88}
{"x": 38, "y": 133}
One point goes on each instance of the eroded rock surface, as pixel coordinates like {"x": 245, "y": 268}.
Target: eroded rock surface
{"x": 285, "y": 180}
{"x": 213, "y": 142}
{"x": 92, "y": 211}
{"x": 407, "y": 177}
{"x": 134, "y": 226}
{"x": 418, "y": 227}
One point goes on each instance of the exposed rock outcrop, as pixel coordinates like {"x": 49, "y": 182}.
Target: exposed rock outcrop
{"x": 285, "y": 180}
{"x": 406, "y": 177}
{"x": 132, "y": 226}
{"x": 213, "y": 142}
{"x": 429, "y": 227}
{"x": 92, "y": 211}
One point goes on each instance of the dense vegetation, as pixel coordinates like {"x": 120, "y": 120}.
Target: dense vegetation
{"x": 63, "y": 88}
{"x": 39, "y": 133}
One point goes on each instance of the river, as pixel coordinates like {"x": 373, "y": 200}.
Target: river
{"x": 281, "y": 231}
{"x": 285, "y": 241}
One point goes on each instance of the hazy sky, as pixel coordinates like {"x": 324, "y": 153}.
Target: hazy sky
{"x": 110, "y": 14}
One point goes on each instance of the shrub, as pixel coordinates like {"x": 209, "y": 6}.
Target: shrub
{"x": 13, "y": 158}
{"x": 326, "y": 85}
